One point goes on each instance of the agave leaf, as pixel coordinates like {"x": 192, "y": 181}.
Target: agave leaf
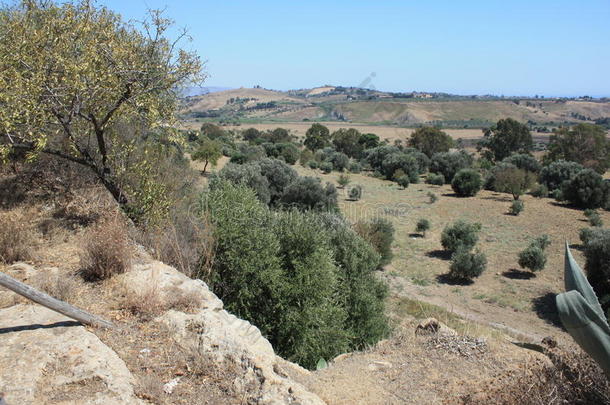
{"x": 322, "y": 364}
{"x": 575, "y": 280}
{"x": 586, "y": 327}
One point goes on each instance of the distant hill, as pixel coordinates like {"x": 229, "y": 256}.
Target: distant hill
{"x": 198, "y": 91}
{"x": 351, "y": 104}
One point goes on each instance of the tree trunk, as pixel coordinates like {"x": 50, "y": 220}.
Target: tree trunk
{"x": 52, "y": 303}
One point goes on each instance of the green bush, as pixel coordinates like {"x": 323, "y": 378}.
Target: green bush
{"x": 422, "y": 226}
{"x": 435, "y": 179}
{"x": 449, "y": 163}
{"x": 313, "y": 164}
{"x": 542, "y": 241}
{"x": 403, "y": 181}
{"x": 540, "y": 191}
{"x": 513, "y": 181}
{"x": 524, "y": 162}
{"x": 594, "y": 218}
{"x": 432, "y": 198}
{"x": 245, "y": 174}
{"x": 596, "y": 249}
{"x": 587, "y": 189}
{"x": 516, "y": 207}
{"x": 355, "y": 192}
{"x": 379, "y": 232}
{"x": 326, "y": 167}
{"x": 304, "y": 279}
{"x": 355, "y": 167}
{"x": 466, "y": 265}
{"x": 307, "y": 193}
{"x": 343, "y": 180}
{"x": 278, "y": 174}
{"x": 532, "y": 258}
{"x": 460, "y": 234}
{"x": 466, "y": 183}
{"x": 400, "y": 161}
{"x": 556, "y": 173}
{"x": 340, "y": 161}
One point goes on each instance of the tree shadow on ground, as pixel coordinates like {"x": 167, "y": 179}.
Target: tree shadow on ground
{"x": 447, "y": 279}
{"x": 439, "y": 254}
{"x": 517, "y": 274}
{"x": 451, "y": 195}
{"x": 546, "y": 309}
{"x": 416, "y": 235}
{"x": 499, "y": 198}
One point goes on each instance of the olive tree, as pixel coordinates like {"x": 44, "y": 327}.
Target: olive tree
{"x": 70, "y": 71}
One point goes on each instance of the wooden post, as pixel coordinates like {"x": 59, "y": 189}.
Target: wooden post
{"x": 52, "y": 303}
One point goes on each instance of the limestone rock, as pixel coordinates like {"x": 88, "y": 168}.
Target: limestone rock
{"x": 48, "y": 358}
{"x": 212, "y": 331}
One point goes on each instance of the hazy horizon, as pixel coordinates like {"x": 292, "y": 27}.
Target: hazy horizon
{"x": 549, "y": 48}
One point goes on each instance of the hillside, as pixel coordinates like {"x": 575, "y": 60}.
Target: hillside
{"x": 373, "y": 107}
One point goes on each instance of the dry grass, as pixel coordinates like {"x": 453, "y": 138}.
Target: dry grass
{"x": 63, "y": 287}
{"x": 573, "y": 378}
{"x": 106, "y": 250}
{"x": 17, "y": 237}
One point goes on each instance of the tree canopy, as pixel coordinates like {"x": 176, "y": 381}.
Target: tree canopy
{"x": 586, "y": 144}
{"x": 430, "y": 140}
{"x": 504, "y": 138}
{"x": 317, "y": 137}
{"x": 62, "y": 94}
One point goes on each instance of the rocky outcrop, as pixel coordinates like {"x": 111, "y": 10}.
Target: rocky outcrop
{"x": 48, "y": 358}
{"x": 212, "y": 331}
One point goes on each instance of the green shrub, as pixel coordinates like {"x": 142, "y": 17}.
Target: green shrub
{"x": 466, "y": 265}
{"x": 532, "y": 258}
{"x": 403, "y": 181}
{"x": 305, "y": 157}
{"x": 326, "y": 167}
{"x": 596, "y": 249}
{"x": 304, "y": 279}
{"x": 400, "y": 161}
{"x": 246, "y": 174}
{"x": 540, "y": 191}
{"x": 355, "y": 167}
{"x": 435, "y": 179}
{"x": 312, "y": 164}
{"x": 542, "y": 241}
{"x": 585, "y": 234}
{"x": 466, "y": 183}
{"x": 278, "y": 174}
{"x": 594, "y": 218}
{"x": 587, "y": 189}
{"x": 307, "y": 193}
{"x": 355, "y": 192}
{"x": 422, "y": 226}
{"x": 516, "y": 207}
{"x": 432, "y": 198}
{"x": 513, "y": 181}
{"x": 556, "y": 173}
{"x": 460, "y": 234}
{"x": 524, "y": 162}
{"x": 449, "y": 163}
{"x": 379, "y": 232}
{"x": 343, "y": 180}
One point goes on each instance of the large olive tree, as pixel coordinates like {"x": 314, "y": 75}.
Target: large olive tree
{"x": 71, "y": 71}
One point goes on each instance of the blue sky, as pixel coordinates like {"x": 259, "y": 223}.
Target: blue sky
{"x": 466, "y": 47}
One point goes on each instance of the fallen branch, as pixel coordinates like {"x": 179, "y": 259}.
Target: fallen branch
{"x": 52, "y": 303}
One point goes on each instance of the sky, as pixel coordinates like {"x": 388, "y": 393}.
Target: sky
{"x": 509, "y": 47}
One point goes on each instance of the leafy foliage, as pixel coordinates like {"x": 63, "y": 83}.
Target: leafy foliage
{"x": 304, "y": 279}
{"x": 596, "y": 248}
{"x": 65, "y": 94}
{"x": 466, "y": 265}
{"x": 584, "y": 143}
{"x": 449, "y": 163}
{"x": 423, "y": 225}
{"x": 355, "y": 192}
{"x": 587, "y": 189}
{"x": 524, "y": 162}
{"x": 307, "y": 193}
{"x": 558, "y": 172}
{"x": 594, "y": 218}
{"x": 467, "y": 183}
{"x": 430, "y": 140}
{"x": 460, "y": 234}
{"x": 504, "y": 138}
{"x": 348, "y": 142}
{"x": 435, "y": 179}
{"x": 513, "y": 181}
{"x": 403, "y": 181}
{"x": 516, "y": 207}
{"x": 317, "y": 137}
{"x": 209, "y": 151}
{"x": 343, "y": 180}
{"x": 379, "y": 232}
